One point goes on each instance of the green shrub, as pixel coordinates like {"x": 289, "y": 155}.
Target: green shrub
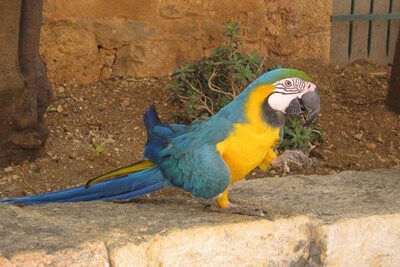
{"x": 201, "y": 88}
{"x": 299, "y": 137}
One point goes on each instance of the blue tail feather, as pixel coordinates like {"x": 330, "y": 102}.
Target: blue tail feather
{"x": 158, "y": 134}
{"x": 136, "y": 193}
{"x": 128, "y": 187}
{"x": 150, "y": 118}
{"x": 154, "y": 141}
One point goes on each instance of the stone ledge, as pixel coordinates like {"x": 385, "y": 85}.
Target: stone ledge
{"x": 349, "y": 219}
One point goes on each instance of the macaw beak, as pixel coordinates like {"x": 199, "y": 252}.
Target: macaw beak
{"x": 307, "y": 103}
{"x": 310, "y": 101}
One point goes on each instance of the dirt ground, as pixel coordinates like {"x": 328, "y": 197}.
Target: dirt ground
{"x": 360, "y": 133}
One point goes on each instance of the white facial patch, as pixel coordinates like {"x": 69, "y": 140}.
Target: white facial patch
{"x": 288, "y": 89}
{"x": 280, "y": 101}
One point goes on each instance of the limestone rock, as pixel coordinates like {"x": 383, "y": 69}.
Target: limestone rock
{"x": 150, "y": 38}
{"x": 347, "y": 219}
{"x": 371, "y": 241}
{"x": 146, "y": 233}
{"x": 70, "y": 54}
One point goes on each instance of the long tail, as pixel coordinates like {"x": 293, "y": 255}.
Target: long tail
{"x": 125, "y": 183}
{"x": 130, "y": 186}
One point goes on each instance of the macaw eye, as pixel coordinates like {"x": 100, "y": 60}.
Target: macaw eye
{"x": 288, "y": 83}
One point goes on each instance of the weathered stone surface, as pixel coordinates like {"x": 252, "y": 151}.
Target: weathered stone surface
{"x": 147, "y": 58}
{"x": 328, "y": 198}
{"x": 89, "y": 254}
{"x": 150, "y": 38}
{"x": 70, "y": 54}
{"x": 28, "y": 238}
{"x": 257, "y": 242}
{"x": 348, "y": 219}
{"x": 149, "y": 232}
{"x": 355, "y": 215}
{"x": 371, "y": 241}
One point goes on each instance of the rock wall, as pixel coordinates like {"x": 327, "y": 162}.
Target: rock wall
{"x": 87, "y": 41}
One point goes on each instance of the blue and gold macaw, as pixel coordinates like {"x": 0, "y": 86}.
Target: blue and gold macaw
{"x": 205, "y": 157}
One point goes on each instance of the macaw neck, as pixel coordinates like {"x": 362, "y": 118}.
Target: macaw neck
{"x": 248, "y": 107}
{"x": 255, "y": 112}
{"x": 254, "y": 104}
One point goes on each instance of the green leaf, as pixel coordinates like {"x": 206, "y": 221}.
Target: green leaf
{"x": 51, "y": 109}
{"x": 289, "y": 131}
{"x": 99, "y": 149}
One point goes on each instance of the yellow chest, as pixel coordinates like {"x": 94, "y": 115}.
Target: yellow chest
{"x": 246, "y": 148}
{"x": 248, "y": 144}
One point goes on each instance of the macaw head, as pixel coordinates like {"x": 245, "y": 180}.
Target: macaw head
{"x": 294, "y": 93}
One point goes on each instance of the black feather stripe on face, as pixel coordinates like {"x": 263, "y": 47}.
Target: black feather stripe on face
{"x": 272, "y": 117}
{"x": 290, "y": 84}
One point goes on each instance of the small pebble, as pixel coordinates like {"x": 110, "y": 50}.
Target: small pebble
{"x": 124, "y": 103}
{"x": 9, "y": 169}
{"x": 60, "y": 89}
{"x": 371, "y": 145}
{"x": 358, "y": 136}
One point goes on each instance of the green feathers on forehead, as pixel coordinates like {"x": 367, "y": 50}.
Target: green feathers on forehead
{"x": 279, "y": 74}
{"x": 300, "y": 74}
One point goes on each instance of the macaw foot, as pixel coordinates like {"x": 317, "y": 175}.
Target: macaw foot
{"x": 297, "y": 157}
{"x": 236, "y": 209}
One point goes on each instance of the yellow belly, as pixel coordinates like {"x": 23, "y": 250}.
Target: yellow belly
{"x": 252, "y": 142}
{"x": 246, "y": 147}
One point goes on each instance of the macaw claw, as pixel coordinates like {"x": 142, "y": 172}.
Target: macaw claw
{"x": 297, "y": 157}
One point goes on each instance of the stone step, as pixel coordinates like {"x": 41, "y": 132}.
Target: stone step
{"x": 348, "y": 219}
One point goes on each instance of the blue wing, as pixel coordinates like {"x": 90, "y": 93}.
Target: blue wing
{"x": 191, "y": 161}
{"x": 187, "y": 155}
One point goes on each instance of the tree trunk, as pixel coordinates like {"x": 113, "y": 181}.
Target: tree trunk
{"x": 24, "y": 86}
{"x": 393, "y": 98}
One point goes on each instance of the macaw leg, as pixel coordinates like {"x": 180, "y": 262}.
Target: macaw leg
{"x": 222, "y": 200}
{"x": 297, "y": 157}
{"x": 224, "y": 206}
